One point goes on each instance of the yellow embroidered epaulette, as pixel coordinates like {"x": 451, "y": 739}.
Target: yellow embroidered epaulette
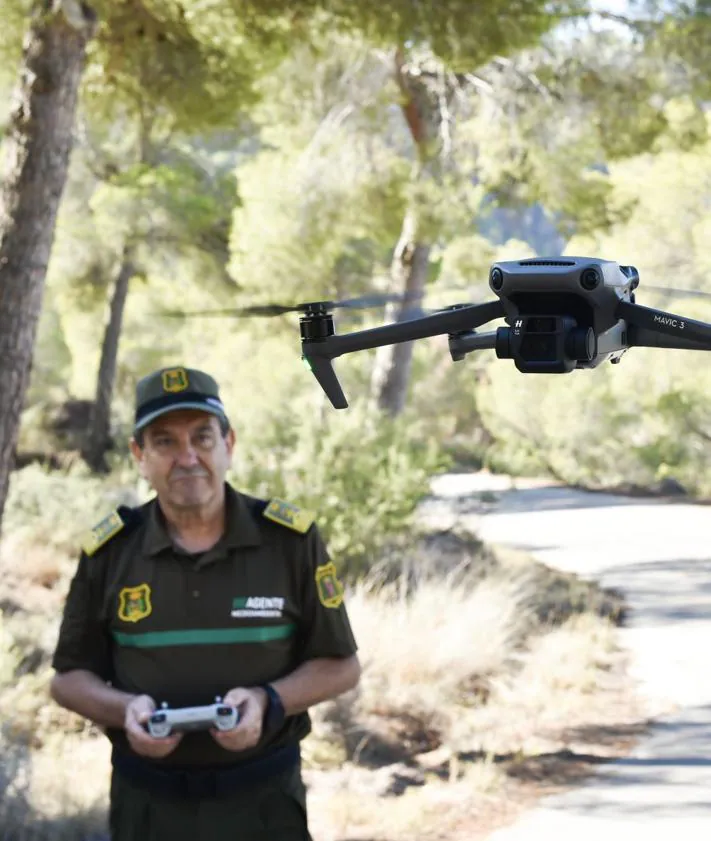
{"x": 289, "y": 515}
{"x": 102, "y": 533}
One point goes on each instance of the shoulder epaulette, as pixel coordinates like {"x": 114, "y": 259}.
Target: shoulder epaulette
{"x": 286, "y": 514}
{"x": 108, "y": 528}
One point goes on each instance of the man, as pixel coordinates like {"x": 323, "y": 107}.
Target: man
{"x": 202, "y": 592}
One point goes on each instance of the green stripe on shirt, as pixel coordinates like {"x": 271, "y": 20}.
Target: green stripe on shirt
{"x": 204, "y": 636}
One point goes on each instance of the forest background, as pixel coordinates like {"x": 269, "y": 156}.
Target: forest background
{"x": 223, "y": 155}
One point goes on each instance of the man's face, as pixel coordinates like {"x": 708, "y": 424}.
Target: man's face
{"x": 185, "y": 457}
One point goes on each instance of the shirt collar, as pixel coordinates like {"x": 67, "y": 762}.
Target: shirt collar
{"x": 241, "y": 525}
{"x": 241, "y": 528}
{"x": 156, "y": 537}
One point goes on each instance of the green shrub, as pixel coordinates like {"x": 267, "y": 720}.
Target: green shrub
{"x": 55, "y": 508}
{"x": 362, "y": 474}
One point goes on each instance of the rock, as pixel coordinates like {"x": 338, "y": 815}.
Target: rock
{"x": 393, "y": 780}
{"x": 671, "y": 487}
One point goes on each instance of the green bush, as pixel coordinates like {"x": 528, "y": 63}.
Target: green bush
{"x": 362, "y": 475}
{"x": 56, "y": 508}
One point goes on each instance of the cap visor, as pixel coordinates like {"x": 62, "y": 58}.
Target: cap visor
{"x": 176, "y": 407}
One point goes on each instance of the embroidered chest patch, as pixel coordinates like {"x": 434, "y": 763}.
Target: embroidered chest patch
{"x": 135, "y": 603}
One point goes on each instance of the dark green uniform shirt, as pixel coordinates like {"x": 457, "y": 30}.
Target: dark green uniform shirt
{"x": 151, "y": 619}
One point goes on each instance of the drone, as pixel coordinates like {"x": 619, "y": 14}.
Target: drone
{"x": 561, "y": 314}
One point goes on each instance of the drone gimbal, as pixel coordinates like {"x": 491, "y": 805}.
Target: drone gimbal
{"x": 562, "y": 313}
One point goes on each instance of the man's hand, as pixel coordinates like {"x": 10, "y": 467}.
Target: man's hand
{"x": 251, "y": 705}
{"x": 138, "y": 712}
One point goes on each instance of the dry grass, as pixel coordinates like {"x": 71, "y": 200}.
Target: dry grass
{"x": 24, "y": 560}
{"x": 465, "y": 703}
{"x": 8, "y": 660}
{"x": 427, "y": 657}
{"x": 440, "y": 662}
{"x": 568, "y": 676}
{"x": 83, "y": 787}
{"x": 438, "y": 648}
{"x": 346, "y": 806}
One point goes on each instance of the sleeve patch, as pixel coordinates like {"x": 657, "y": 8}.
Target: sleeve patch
{"x": 286, "y": 514}
{"x": 102, "y": 533}
{"x": 330, "y": 589}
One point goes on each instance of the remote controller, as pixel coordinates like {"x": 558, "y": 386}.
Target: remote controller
{"x": 165, "y": 721}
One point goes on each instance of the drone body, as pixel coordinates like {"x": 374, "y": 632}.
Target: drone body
{"x": 562, "y": 313}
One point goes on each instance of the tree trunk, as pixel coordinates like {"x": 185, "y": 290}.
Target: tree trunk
{"x": 99, "y": 435}
{"x": 34, "y": 170}
{"x": 393, "y": 363}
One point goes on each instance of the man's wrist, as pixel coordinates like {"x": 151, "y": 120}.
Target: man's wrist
{"x": 274, "y": 713}
{"x": 262, "y": 699}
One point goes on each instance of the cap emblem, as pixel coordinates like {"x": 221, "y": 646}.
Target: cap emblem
{"x": 175, "y": 380}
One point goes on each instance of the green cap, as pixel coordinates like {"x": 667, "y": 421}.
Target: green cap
{"x": 171, "y": 389}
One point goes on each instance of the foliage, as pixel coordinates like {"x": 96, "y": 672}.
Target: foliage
{"x": 684, "y": 40}
{"x": 323, "y": 199}
{"x": 57, "y": 508}
{"x": 178, "y": 62}
{"x": 13, "y": 14}
{"x": 565, "y": 112}
{"x": 463, "y": 33}
{"x": 339, "y": 163}
{"x": 363, "y": 476}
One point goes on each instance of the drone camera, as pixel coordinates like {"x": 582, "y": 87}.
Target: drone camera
{"x": 589, "y": 279}
{"x": 497, "y": 279}
{"x": 545, "y": 344}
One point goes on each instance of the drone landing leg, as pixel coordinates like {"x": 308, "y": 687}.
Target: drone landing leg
{"x": 322, "y": 369}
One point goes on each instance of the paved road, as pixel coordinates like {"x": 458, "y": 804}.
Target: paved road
{"x": 658, "y": 554}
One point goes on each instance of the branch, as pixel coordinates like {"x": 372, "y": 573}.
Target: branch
{"x": 342, "y": 110}
{"x": 636, "y": 24}
{"x": 476, "y": 81}
{"x": 529, "y": 77}
{"x": 201, "y": 245}
{"x": 696, "y": 430}
{"x": 332, "y": 121}
{"x": 639, "y": 25}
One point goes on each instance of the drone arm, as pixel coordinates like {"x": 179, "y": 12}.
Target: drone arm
{"x": 463, "y": 343}
{"x": 319, "y": 353}
{"x": 451, "y": 321}
{"x": 639, "y": 337}
{"x": 648, "y": 327}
